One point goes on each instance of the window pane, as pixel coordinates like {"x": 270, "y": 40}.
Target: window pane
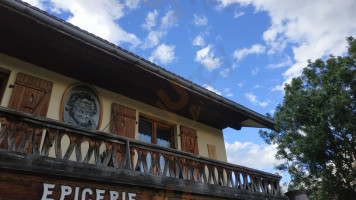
{"x": 145, "y": 131}
{"x": 164, "y": 136}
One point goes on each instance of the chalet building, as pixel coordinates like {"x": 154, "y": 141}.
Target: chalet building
{"x": 82, "y": 118}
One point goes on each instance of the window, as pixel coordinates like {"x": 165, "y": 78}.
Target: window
{"x": 155, "y": 132}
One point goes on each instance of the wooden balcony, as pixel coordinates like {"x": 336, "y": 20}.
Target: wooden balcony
{"x": 40, "y": 151}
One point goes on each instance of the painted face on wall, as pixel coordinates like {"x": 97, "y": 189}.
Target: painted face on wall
{"x": 83, "y": 110}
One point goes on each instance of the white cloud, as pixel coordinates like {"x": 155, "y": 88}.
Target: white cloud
{"x": 36, "y": 3}
{"x": 200, "y": 20}
{"x": 154, "y": 36}
{"x": 212, "y": 89}
{"x": 253, "y": 99}
{"x": 150, "y": 20}
{"x": 97, "y": 17}
{"x": 252, "y": 155}
{"x": 206, "y": 57}
{"x": 199, "y": 41}
{"x": 163, "y": 53}
{"x": 278, "y": 88}
{"x": 228, "y": 92}
{"x": 315, "y": 28}
{"x": 240, "y": 84}
{"x": 226, "y": 72}
{"x": 238, "y": 14}
{"x": 256, "y": 86}
{"x": 132, "y": 3}
{"x": 255, "y": 71}
{"x": 255, "y": 49}
{"x": 169, "y": 19}
{"x": 286, "y": 63}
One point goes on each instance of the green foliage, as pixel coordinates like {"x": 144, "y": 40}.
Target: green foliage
{"x": 316, "y": 128}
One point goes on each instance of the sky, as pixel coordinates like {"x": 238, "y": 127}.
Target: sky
{"x": 243, "y": 50}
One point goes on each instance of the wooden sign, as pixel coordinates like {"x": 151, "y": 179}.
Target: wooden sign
{"x": 18, "y": 185}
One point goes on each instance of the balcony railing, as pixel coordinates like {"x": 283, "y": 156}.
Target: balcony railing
{"x": 25, "y": 133}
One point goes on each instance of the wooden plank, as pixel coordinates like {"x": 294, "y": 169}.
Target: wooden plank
{"x": 38, "y": 166}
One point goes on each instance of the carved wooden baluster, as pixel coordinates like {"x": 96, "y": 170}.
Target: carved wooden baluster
{"x": 221, "y": 177}
{"x": 36, "y": 141}
{"x": 90, "y": 150}
{"x": 126, "y": 160}
{"x": 262, "y": 185}
{"x": 278, "y": 188}
{"x": 48, "y": 141}
{"x": 189, "y": 170}
{"x": 202, "y": 174}
{"x": 23, "y": 139}
{"x": 4, "y": 131}
{"x": 168, "y": 165}
{"x": 97, "y": 158}
{"x": 108, "y": 153}
{"x": 212, "y": 175}
{"x": 78, "y": 148}
{"x": 244, "y": 179}
{"x": 195, "y": 171}
{"x": 254, "y": 180}
{"x": 116, "y": 155}
{"x": 268, "y": 186}
{"x": 17, "y": 136}
{"x": 11, "y": 136}
{"x": 248, "y": 183}
{"x": 275, "y": 187}
{"x": 155, "y": 164}
{"x": 5, "y": 124}
{"x": 179, "y": 168}
{"x": 258, "y": 184}
{"x": 57, "y": 146}
{"x": 144, "y": 161}
{"x": 238, "y": 183}
{"x": 70, "y": 149}
{"x": 229, "y": 181}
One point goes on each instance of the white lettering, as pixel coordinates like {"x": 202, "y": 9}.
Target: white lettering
{"x": 46, "y": 191}
{"x": 86, "y": 194}
{"x": 99, "y": 194}
{"x": 131, "y": 196}
{"x": 66, "y": 191}
{"x": 86, "y": 190}
{"x": 76, "y": 193}
{"x": 114, "y": 195}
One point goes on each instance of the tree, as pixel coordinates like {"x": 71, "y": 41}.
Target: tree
{"x": 316, "y": 128}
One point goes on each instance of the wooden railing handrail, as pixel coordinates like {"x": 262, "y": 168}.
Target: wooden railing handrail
{"x": 129, "y": 145}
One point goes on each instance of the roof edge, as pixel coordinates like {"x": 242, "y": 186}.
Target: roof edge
{"x": 42, "y": 16}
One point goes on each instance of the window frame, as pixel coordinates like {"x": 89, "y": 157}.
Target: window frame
{"x": 159, "y": 123}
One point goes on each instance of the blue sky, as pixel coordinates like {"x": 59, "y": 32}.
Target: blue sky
{"x": 244, "y": 50}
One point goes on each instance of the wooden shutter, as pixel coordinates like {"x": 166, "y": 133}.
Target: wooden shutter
{"x": 212, "y": 151}
{"x": 123, "y": 120}
{"x": 189, "y": 140}
{"x": 31, "y": 94}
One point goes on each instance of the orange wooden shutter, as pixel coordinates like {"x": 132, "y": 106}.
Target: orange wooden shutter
{"x": 212, "y": 151}
{"x": 189, "y": 140}
{"x": 31, "y": 94}
{"x": 123, "y": 120}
